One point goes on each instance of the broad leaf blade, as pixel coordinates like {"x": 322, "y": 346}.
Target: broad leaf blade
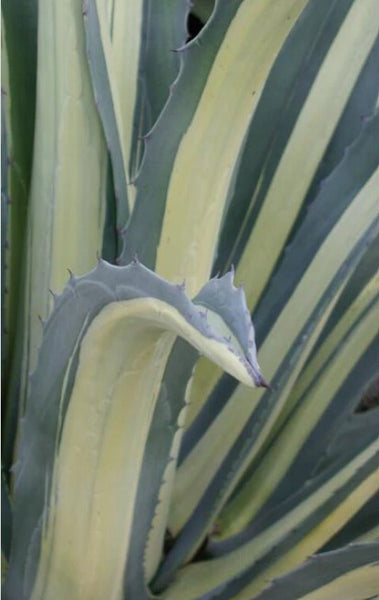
{"x": 194, "y": 118}
{"x": 66, "y": 216}
{"x": 298, "y": 528}
{"x": 291, "y": 441}
{"x": 102, "y": 359}
{"x": 157, "y": 473}
{"x": 297, "y": 289}
{"x": 287, "y": 115}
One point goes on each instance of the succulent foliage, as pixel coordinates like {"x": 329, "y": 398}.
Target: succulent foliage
{"x": 190, "y": 184}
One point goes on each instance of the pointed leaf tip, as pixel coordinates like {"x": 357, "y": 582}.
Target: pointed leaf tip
{"x": 263, "y": 383}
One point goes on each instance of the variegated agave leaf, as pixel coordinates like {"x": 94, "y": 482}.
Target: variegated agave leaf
{"x": 112, "y": 331}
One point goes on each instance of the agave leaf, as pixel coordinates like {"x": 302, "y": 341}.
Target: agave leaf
{"x": 289, "y": 442}
{"x": 98, "y": 46}
{"x": 360, "y": 292}
{"x": 360, "y": 106}
{"x": 303, "y": 283}
{"x": 333, "y": 449}
{"x": 321, "y": 111}
{"x": 146, "y": 32}
{"x": 267, "y": 194}
{"x": 225, "y": 309}
{"x": 161, "y": 203}
{"x": 340, "y": 411}
{"x": 285, "y": 282}
{"x": 168, "y": 193}
{"x": 294, "y": 78}
{"x": 72, "y": 505}
{"x": 129, "y": 51}
{"x": 158, "y": 468}
{"x": 296, "y": 529}
{"x": 69, "y": 172}
{"x": 364, "y": 526}
{"x": 206, "y": 505}
{"x": 351, "y": 573}
{"x": 348, "y": 311}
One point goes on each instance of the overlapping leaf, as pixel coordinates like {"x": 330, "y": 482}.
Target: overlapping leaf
{"x": 279, "y": 90}
{"x": 176, "y": 184}
{"x": 351, "y": 573}
{"x": 72, "y": 505}
{"x": 130, "y": 53}
{"x": 235, "y": 441}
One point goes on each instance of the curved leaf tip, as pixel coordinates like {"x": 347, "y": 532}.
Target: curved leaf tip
{"x": 104, "y": 348}
{"x": 220, "y": 296}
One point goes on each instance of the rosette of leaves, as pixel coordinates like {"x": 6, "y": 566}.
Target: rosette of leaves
{"x": 190, "y": 185}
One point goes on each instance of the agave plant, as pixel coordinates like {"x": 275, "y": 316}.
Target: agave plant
{"x": 189, "y": 184}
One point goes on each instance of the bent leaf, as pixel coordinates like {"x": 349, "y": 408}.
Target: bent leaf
{"x": 101, "y": 362}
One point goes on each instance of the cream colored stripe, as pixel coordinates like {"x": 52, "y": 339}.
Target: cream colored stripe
{"x": 360, "y": 584}
{"x": 66, "y": 213}
{"x": 208, "y": 151}
{"x": 320, "y": 534}
{"x": 86, "y": 543}
{"x": 309, "y": 139}
{"x": 121, "y": 363}
{"x": 126, "y": 45}
{"x": 285, "y": 448}
{"x": 197, "y": 471}
{"x": 354, "y": 312}
{"x": 198, "y": 578}
{"x": 116, "y": 74}
{"x": 300, "y": 160}
{"x": 152, "y": 555}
